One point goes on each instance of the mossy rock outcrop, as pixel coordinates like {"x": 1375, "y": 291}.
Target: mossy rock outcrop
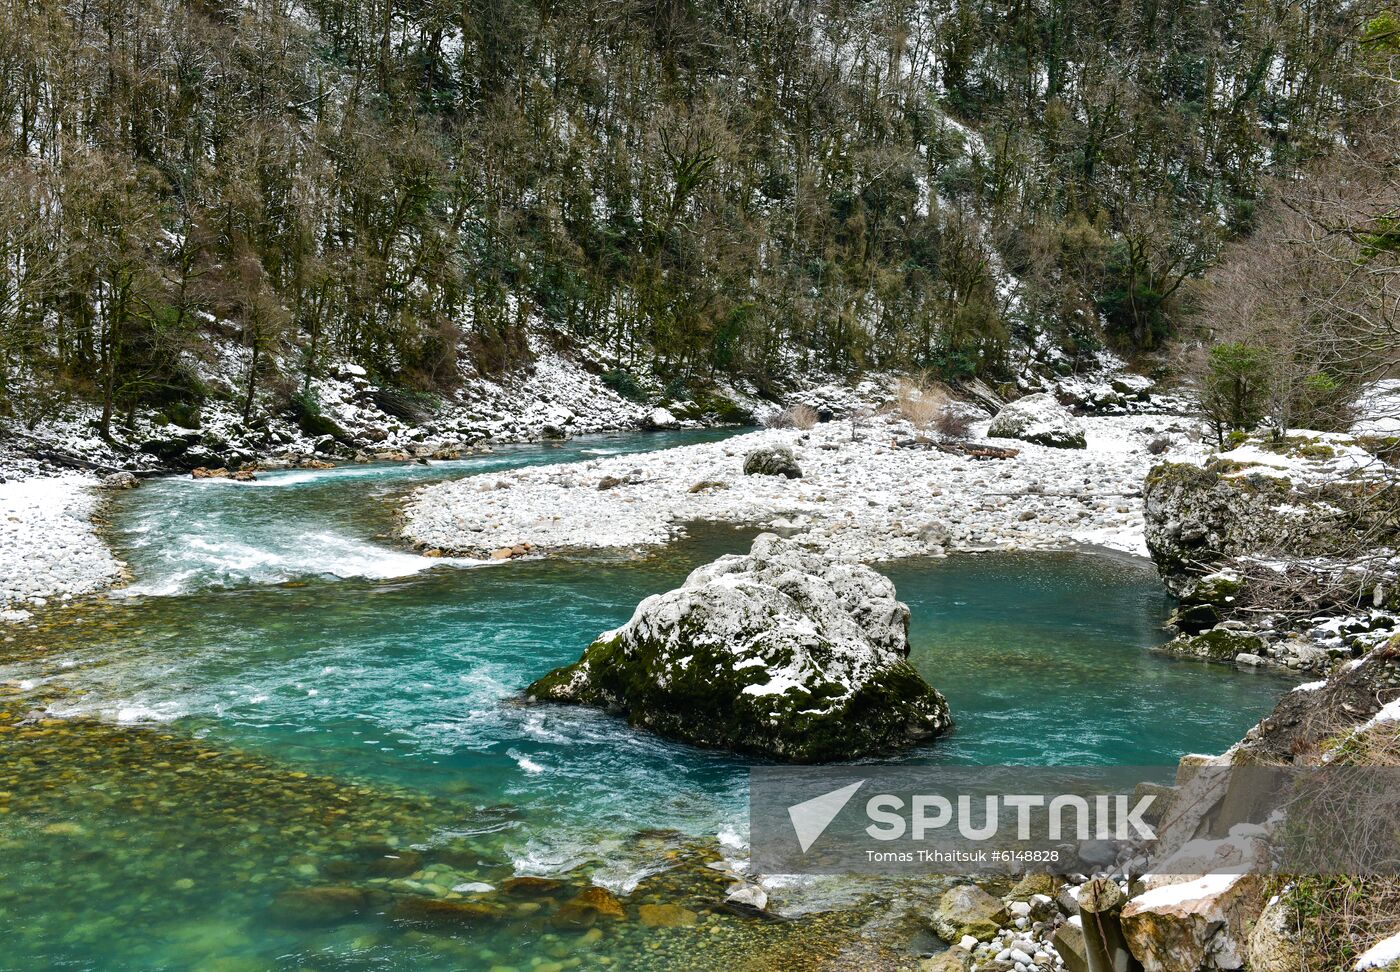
{"x": 1208, "y": 600}
{"x": 1218, "y": 645}
{"x": 1199, "y": 518}
{"x": 780, "y": 652}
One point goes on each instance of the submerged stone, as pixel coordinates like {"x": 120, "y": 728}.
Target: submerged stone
{"x": 781, "y": 652}
{"x": 531, "y": 887}
{"x": 588, "y": 906}
{"x": 666, "y": 916}
{"x": 327, "y": 905}
{"x": 439, "y": 912}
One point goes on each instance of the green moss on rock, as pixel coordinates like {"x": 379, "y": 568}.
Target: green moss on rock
{"x": 1217, "y": 645}
{"x": 781, "y": 653}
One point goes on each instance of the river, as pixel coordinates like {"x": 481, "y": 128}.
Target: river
{"x": 276, "y": 654}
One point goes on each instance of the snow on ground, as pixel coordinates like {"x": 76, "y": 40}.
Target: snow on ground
{"x": 1306, "y": 457}
{"x": 48, "y": 545}
{"x": 1381, "y": 954}
{"x": 1378, "y": 409}
{"x": 861, "y": 496}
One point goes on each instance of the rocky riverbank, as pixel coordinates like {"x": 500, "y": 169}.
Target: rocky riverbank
{"x": 873, "y": 488}
{"x": 1284, "y": 552}
{"x": 49, "y": 545}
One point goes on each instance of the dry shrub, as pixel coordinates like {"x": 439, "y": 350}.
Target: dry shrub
{"x": 927, "y": 405}
{"x": 953, "y": 423}
{"x": 1377, "y": 746}
{"x": 794, "y": 417}
{"x": 920, "y": 402}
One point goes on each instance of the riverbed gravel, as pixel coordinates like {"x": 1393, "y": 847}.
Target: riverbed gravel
{"x": 49, "y": 546}
{"x": 870, "y": 490}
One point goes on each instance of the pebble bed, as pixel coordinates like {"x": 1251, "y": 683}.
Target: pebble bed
{"x": 49, "y": 546}
{"x": 870, "y": 490}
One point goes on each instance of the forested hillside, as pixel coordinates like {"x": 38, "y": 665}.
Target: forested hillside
{"x": 681, "y": 189}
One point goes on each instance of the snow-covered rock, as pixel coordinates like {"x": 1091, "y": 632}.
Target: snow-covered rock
{"x": 1039, "y": 419}
{"x": 1192, "y": 925}
{"x": 781, "y": 652}
{"x": 660, "y": 418}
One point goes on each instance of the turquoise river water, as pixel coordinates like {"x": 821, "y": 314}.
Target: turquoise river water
{"x": 284, "y": 700}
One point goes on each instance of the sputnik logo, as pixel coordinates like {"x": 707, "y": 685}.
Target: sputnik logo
{"x": 810, "y": 818}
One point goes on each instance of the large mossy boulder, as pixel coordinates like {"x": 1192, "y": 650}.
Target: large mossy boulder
{"x": 1039, "y": 419}
{"x": 781, "y": 652}
{"x": 773, "y": 461}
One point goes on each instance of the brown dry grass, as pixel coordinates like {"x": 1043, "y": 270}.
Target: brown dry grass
{"x": 1338, "y": 918}
{"x": 919, "y": 401}
{"x": 794, "y": 417}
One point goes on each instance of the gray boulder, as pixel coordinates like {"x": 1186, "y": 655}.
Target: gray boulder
{"x": 120, "y": 480}
{"x": 772, "y": 461}
{"x": 781, "y": 652}
{"x": 968, "y": 910}
{"x": 659, "y": 418}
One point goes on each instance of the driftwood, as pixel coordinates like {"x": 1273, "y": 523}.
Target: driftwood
{"x": 957, "y": 448}
{"x": 980, "y": 451}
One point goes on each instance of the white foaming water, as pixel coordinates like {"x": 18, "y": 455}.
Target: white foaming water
{"x": 187, "y": 535}
{"x": 525, "y": 763}
{"x": 201, "y": 562}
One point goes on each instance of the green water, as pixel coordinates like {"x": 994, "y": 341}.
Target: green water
{"x": 325, "y": 708}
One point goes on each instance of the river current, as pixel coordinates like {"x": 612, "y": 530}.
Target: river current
{"x": 276, "y": 653}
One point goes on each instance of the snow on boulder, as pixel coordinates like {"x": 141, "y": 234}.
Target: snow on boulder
{"x": 659, "y": 418}
{"x": 780, "y": 652}
{"x": 1039, "y": 419}
{"x": 1191, "y": 925}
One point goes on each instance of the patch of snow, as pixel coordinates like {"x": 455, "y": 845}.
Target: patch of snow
{"x": 1381, "y": 954}
{"x": 1170, "y": 895}
{"x": 1378, "y": 409}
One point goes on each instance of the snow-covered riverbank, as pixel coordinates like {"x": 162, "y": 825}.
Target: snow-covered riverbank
{"x": 49, "y": 547}
{"x": 861, "y": 495}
